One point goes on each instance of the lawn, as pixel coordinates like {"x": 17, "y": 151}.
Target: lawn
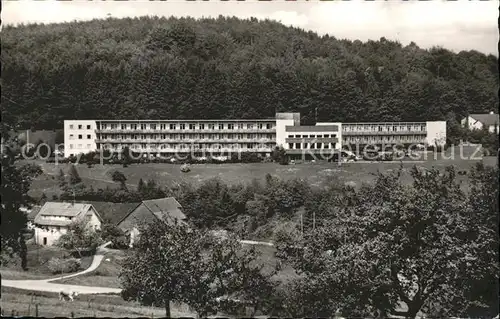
{"x": 317, "y": 174}
{"x": 23, "y": 303}
{"x": 38, "y": 257}
{"x": 106, "y": 275}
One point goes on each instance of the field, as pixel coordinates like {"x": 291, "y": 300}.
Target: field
{"x": 38, "y": 258}
{"x": 318, "y": 174}
{"x": 17, "y": 302}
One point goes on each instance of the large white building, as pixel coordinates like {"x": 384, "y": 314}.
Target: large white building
{"x": 166, "y": 137}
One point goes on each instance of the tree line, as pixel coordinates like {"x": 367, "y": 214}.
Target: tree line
{"x": 169, "y": 68}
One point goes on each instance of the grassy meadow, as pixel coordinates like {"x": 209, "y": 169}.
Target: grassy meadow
{"x": 318, "y": 174}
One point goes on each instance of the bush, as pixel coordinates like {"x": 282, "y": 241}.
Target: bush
{"x": 58, "y": 265}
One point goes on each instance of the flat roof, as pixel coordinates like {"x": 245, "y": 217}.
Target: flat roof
{"x": 311, "y": 128}
{"x": 191, "y": 120}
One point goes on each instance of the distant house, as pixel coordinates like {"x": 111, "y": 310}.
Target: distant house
{"x": 150, "y": 211}
{"x": 54, "y": 218}
{"x": 480, "y": 121}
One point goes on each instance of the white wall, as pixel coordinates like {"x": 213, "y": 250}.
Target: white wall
{"x": 71, "y": 146}
{"x": 281, "y": 133}
{"x": 52, "y": 233}
{"x": 436, "y": 133}
{"x": 473, "y": 123}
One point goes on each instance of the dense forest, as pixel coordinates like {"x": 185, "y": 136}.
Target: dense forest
{"x": 152, "y": 68}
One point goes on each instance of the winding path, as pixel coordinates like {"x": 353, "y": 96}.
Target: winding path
{"x": 47, "y": 285}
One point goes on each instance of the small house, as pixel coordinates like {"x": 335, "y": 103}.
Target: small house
{"x": 481, "y": 121}
{"x": 54, "y": 219}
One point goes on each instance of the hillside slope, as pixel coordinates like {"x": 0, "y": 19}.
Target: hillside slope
{"x": 153, "y": 68}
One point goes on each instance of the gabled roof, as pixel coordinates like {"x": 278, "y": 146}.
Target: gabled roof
{"x": 162, "y": 208}
{"x": 486, "y": 119}
{"x": 61, "y": 209}
{"x": 114, "y": 212}
{"x": 165, "y": 208}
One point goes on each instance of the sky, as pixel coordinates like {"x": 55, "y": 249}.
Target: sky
{"x": 455, "y": 25}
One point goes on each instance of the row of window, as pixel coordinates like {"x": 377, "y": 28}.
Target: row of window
{"x": 184, "y": 136}
{"x": 311, "y": 136}
{"x": 183, "y": 126}
{"x": 299, "y": 146}
{"x": 384, "y": 128}
{"x": 368, "y": 139}
{"x": 80, "y": 136}
{"x": 79, "y": 146}
{"x": 80, "y": 126}
{"x": 187, "y": 146}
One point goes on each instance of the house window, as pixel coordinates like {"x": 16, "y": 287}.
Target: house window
{"x": 133, "y": 126}
{"x": 249, "y": 126}
{"x": 143, "y": 126}
{"x": 80, "y": 127}
{"x": 152, "y": 126}
{"x": 80, "y": 136}
{"x": 221, "y": 126}
{"x": 268, "y": 126}
{"x": 114, "y": 126}
{"x": 182, "y": 126}
{"x": 230, "y": 126}
{"x": 89, "y": 136}
{"x": 71, "y": 146}
{"x": 88, "y": 127}
{"x": 71, "y": 136}
{"x": 240, "y": 126}
{"x": 261, "y": 126}
{"x": 202, "y": 126}
{"x": 163, "y": 126}
{"x": 71, "y": 126}
{"x": 172, "y": 126}
{"x": 44, "y": 241}
{"x": 191, "y": 126}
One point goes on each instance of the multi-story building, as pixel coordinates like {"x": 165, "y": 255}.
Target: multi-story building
{"x": 167, "y": 137}
{"x": 389, "y": 133}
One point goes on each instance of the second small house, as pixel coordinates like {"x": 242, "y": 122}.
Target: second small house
{"x": 54, "y": 219}
{"x": 150, "y": 211}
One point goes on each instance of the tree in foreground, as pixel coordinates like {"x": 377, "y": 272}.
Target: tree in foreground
{"x": 206, "y": 275}
{"x": 119, "y": 177}
{"x": 80, "y": 237}
{"x": 16, "y": 183}
{"x": 398, "y": 244}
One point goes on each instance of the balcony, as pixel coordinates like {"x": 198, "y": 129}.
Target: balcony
{"x": 186, "y": 131}
{"x": 184, "y": 141}
{"x": 354, "y": 133}
{"x": 199, "y": 150}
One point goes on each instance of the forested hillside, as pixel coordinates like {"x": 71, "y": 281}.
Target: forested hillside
{"x": 154, "y": 68}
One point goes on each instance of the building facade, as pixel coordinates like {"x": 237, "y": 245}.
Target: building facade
{"x": 167, "y": 137}
{"x": 54, "y": 219}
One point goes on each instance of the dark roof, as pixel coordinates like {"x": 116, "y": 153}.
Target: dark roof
{"x": 113, "y": 212}
{"x": 486, "y": 119}
{"x": 165, "y": 208}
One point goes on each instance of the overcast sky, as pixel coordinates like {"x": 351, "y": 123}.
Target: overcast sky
{"x": 457, "y": 25}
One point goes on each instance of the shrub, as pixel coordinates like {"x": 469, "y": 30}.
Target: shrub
{"x": 58, "y": 265}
